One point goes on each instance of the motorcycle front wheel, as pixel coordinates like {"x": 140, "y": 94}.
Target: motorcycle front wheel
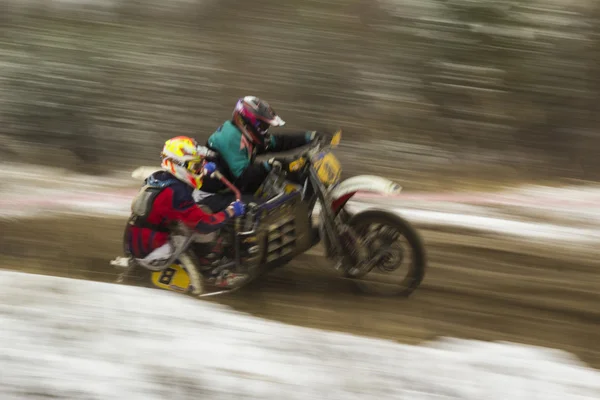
{"x": 398, "y": 248}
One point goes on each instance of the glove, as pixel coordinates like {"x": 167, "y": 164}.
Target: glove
{"x": 290, "y": 165}
{"x": 319, "y": 137}
{"x": 312, "y": 136}
{"x": 236, "y": 209}
{"x": 209, "y": 168}
{"x": 276, "y": 162}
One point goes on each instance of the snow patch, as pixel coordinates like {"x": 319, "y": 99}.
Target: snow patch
{"x": 28, "y": 191}
{"x": 466, "y": 219}
{"x": 65, "y": 339}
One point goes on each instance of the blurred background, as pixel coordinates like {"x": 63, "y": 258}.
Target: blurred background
{"x": 511, "y": 87}
{"x": 437, "y": 94}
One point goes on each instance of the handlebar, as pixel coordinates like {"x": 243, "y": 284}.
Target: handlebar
{"x": 236, "y": 192}
{"x": 302, "y": 160}
{"x": 226, "y": 182}
{"x": 316, "y": 147}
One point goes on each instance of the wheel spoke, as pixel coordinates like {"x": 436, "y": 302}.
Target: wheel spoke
{"x": 400, "y": 268}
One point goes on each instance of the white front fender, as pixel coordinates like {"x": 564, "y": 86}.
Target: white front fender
{"x": 363, "y": 183}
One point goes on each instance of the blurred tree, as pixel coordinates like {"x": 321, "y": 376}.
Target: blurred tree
{"x": 91, "y": 79}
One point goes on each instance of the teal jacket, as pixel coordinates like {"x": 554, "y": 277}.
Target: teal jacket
{"x": 238, "y": 154}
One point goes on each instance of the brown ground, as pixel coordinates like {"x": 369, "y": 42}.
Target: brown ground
{"x": 479, "y": 287}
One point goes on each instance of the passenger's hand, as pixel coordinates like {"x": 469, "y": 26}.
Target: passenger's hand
{"x": 236, "y": 209}
{"x": 209, "y": 168}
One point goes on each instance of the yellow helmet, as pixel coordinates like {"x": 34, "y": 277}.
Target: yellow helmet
{"x": 182, "y": 157}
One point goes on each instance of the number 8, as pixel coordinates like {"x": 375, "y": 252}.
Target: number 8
{"x": 167, "y": 276}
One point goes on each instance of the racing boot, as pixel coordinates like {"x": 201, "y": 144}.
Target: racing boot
{"x": 227, "y": 279}
{"x": 209, "y": 254}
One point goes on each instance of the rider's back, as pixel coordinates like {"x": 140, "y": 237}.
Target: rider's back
{"x": 171, "y": 202}
{"x": 227, "y": 141}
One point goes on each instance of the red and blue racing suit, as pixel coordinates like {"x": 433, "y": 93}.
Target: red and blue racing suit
{"x": 163, "y": 201}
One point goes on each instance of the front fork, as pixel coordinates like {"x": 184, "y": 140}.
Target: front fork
{"x": 342, "y": 242}
{"x": 352, "y": 251}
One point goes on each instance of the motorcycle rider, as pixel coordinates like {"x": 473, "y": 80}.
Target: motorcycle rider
{"x": 239, "y": 140}
{"x": 166, "y": 200}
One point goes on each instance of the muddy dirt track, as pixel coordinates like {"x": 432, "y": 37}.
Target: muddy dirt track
{"x": 479, "y": 287}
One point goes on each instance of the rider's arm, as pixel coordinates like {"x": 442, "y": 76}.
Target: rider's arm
{"x": 178, "y": 205}
{"x": 279, "y": 143}
{"x": 254, "y": 174}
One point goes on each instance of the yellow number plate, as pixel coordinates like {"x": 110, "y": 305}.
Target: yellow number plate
{"x": 329, "y": 169}
{"x": 172, "y": 278}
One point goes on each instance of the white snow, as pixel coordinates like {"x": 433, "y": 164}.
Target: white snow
{"x": 71, "y": 339}
{"x": 570, "y": 214}
{"x": 504, "y": 226}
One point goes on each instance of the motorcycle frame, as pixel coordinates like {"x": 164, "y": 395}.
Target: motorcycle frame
{"x": 313, "y": 191}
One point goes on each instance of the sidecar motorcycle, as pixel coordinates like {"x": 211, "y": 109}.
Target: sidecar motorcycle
{"x": 369, "y": 247}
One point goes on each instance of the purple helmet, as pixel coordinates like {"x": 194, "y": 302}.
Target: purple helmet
{"x": 254, "y": 117}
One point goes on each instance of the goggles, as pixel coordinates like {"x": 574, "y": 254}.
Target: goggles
{"x": 195, "y": 166}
